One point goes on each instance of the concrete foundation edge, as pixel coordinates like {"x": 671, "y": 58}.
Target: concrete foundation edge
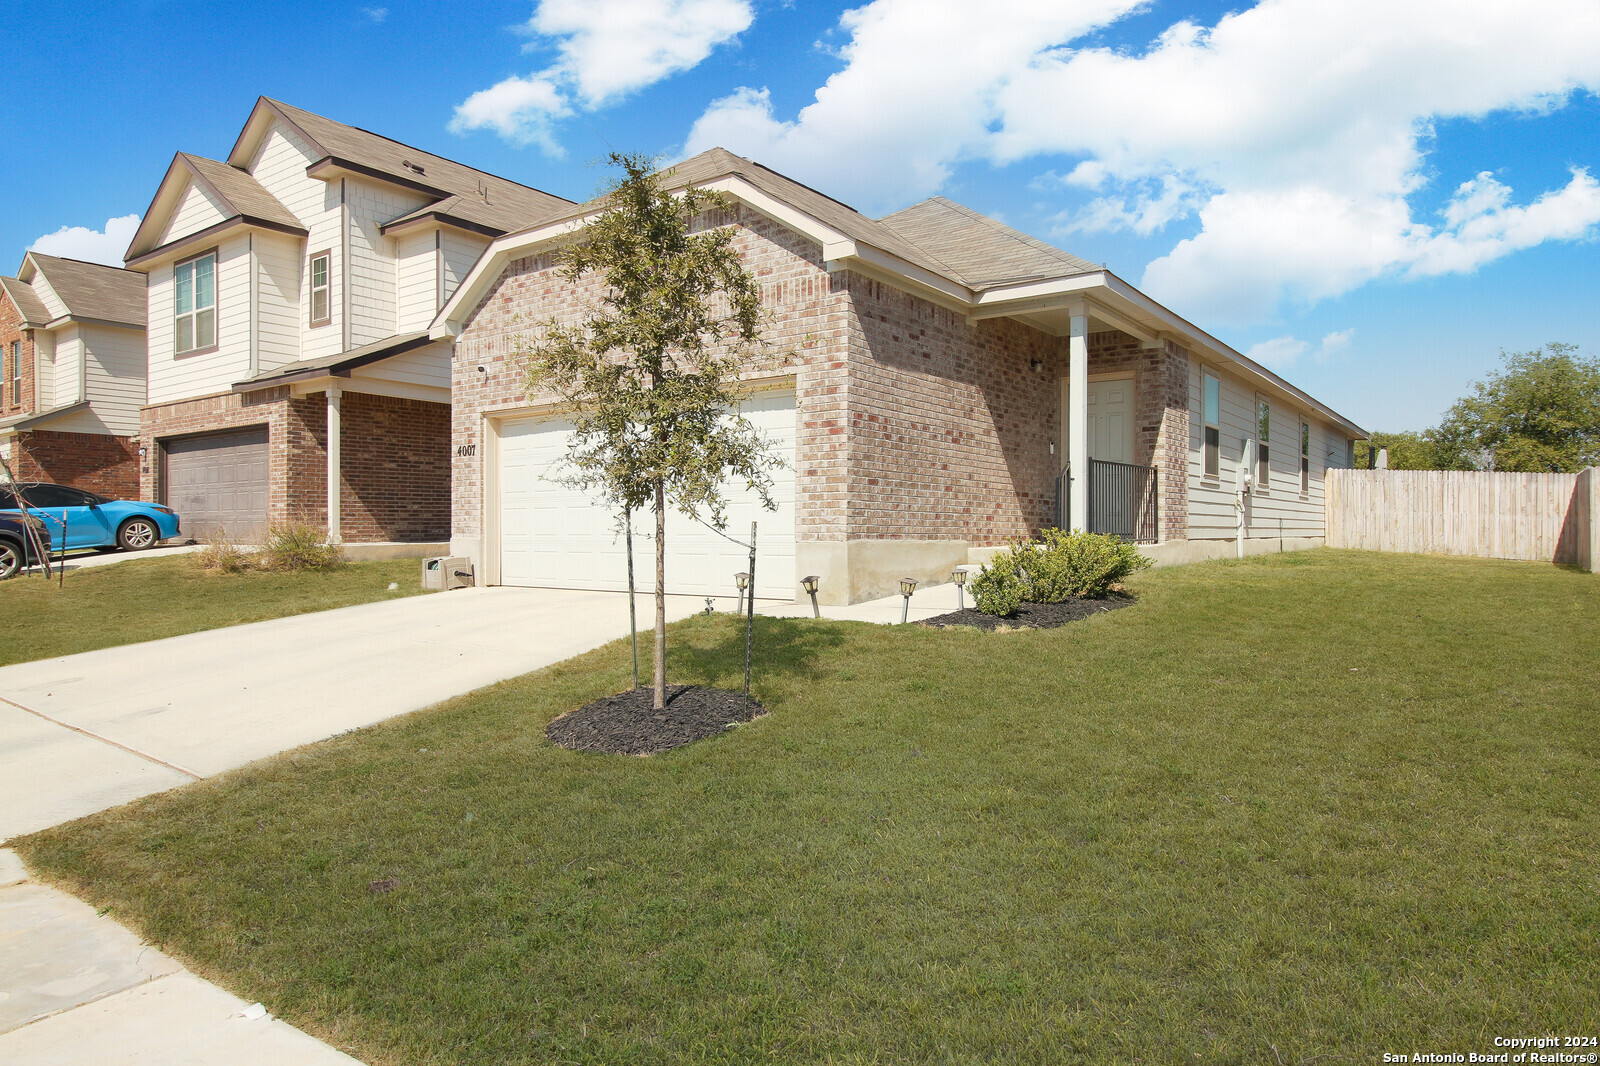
{"x": 1179, "y": 552}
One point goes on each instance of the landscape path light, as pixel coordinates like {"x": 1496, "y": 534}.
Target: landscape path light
{"x": 809, "y": 583}
{"x": 908, "y": 585}
{"x": 741, "y": 579}
{"x": 959, "y": 576}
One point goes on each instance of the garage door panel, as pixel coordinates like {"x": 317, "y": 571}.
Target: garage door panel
{"x": 218, "y": 483}
{"x": 556, "y": 536}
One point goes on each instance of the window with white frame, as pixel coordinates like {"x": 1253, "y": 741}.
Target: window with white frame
{"x": 1211, "y": 414}
{"x": 321, "y": 288}
{"x": 1305, "y": 458}
{"x": 16, "y": 372}
{"x": 194, "y": 303}
{"x": 1263, "y": 435}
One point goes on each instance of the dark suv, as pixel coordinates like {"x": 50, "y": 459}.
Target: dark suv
{"x": 17, "y": 549}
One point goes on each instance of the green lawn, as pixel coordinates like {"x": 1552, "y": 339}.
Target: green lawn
{"x": 145, "y": 599}
{"x": 1334, "y": 804}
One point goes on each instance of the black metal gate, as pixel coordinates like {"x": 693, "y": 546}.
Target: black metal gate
{"x": 1122, "y": 501}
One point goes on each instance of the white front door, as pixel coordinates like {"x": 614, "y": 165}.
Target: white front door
{"x": 1111, "y": 420}
{"x": 558, "y": 537}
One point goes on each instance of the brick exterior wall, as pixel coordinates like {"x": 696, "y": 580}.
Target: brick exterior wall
{"x": 94, "y": 462}
{"x": 11, "y": 331}
{"x": 913, "y": 424}
{"x": 394, "y": 476}
{"x": 806, "y": 336}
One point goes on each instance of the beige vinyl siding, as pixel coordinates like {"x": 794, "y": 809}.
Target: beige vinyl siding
{"x": 180, "y": 377}
{"x": 374, "y": 310}
{"x": 461, "y": 253}
{"x": 44, "y": 369}
{"x": 47, "y": 296}
{"x": 280, "y": 166}
{"x": 425, "y": 366}
{"x": 418, "y": 273}
{"x": 68, "y": 377}
{"x": 278, "y": 269}
{"x": 114, "y": 370}
{"x": 1280, "y": 510}
{"x": 196, "y": 210}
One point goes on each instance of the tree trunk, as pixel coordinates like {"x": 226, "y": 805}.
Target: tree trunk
{"x": 661, "y": 596}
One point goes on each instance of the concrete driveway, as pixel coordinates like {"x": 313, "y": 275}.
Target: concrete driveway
{"x": 86, "y": 732}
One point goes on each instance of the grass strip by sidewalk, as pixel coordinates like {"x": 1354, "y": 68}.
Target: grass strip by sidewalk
{"x": 146, "y": 599}
{"x": 1323, "y": 804}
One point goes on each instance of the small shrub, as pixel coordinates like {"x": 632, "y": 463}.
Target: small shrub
{"x": 998, "y": 589}
{"x": 1078, "y": 564}
{"x": 221, "y": 556}
{"x": 296, "y": 546}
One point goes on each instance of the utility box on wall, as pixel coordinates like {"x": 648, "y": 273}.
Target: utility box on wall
{"x": 445, "y": 572}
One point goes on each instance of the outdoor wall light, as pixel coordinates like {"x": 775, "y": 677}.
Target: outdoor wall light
{"x": 1036, "y": 365}
{"x": 908, "y": 585}
{"x": 959, "y": 576}
{"x": 809, "y": 583}
{"x": 741, "y": 579}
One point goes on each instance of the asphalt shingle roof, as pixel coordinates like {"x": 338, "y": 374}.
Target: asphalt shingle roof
{"x": 981, "y": 251}
{"x": 242, "y": 192}
{"x": 93, "y": 290}
{"x": 34, "y": 312}
{"x": 476, "y": 196}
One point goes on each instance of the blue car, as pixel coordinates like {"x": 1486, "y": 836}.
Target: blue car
{"x": 78, "y": 519}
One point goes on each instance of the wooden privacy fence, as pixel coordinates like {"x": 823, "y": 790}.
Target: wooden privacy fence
{"x": 1548, "y": 517}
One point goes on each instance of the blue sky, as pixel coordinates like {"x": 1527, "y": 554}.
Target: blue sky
{"x": 1374, "y": 198}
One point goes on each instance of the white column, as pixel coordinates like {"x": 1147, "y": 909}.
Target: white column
{"x": 1078, "y": 417}
{"x": 334, "y": 395}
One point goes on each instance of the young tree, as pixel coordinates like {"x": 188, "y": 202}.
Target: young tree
{"x": 651, "y": 369}
{"x": 1541, "y": 413}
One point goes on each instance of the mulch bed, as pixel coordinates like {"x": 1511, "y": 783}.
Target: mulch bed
{"x": 624, "y": 724}
{"x": 1031, "y": 615}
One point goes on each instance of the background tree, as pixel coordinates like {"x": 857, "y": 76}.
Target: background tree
{"x": 1539, "y": 414}
{"x": 652, "y": 368}
{"x": 1407, "y": 451}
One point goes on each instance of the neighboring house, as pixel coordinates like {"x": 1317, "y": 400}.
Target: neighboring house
{"x": 933, "y": 376}
{"x": 291, "y": 376}
{"x": 72, "y": 374}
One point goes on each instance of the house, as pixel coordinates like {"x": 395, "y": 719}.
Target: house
{"x": 72, "y": 374}
{"x": 939, "y": 383}
{"x": 290, "y": 290}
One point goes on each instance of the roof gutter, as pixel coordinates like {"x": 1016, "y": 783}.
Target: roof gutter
{"x": 177, "y": 247}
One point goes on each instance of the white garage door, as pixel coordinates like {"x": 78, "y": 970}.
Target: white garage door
{"x": 552, "y": 536}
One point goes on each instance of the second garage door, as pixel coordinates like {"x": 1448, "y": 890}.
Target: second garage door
{"x": 552, "y": 536}
{"x": 218, "y": 483}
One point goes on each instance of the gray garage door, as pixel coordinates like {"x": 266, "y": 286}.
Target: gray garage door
{"x": 218, "y": 483}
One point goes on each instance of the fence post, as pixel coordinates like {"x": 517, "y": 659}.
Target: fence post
{"x": 1586, "y": 502}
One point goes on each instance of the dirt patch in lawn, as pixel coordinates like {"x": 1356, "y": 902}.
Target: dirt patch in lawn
{"x": 1031, "y": 615}
{"x": 624, "y": 724}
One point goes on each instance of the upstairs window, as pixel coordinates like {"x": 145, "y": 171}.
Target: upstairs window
{"x": 16, "y": 372}
{"x": 195, "y": 303}
{"x": 321, "y": 308}
{"x": 1211, "y": 410}
{"x": 1305, "y": 459}
{"x": 1263, "y": 435}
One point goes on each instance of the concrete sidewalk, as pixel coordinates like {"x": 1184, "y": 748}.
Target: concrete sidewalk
{"x": 76, "y": 987}
{"x": 926, "y": 602}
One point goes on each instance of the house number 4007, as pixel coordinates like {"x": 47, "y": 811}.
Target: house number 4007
{"x": 466, "y": 449}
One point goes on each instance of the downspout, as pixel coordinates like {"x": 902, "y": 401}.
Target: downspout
{"x": 334, "y": 458}
{"x": 255, "y": 315}
{"x": 344, "y": 266}
{"x": 1243, "y": 480}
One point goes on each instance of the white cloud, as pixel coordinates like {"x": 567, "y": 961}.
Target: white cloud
{"x": 376, "y": 14}
{"x": 1293, "y": 135}
{"x": 916, "y": 95}
{"x": 94, "y": 246}
{"x": 521, "y": 110}
{"x": 606, "y": 49}
{"x": 1280, "y": 353}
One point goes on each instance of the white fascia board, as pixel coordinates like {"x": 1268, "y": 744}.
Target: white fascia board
{"x": 778, "y": 211}
{"x": 371, "y": 386}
